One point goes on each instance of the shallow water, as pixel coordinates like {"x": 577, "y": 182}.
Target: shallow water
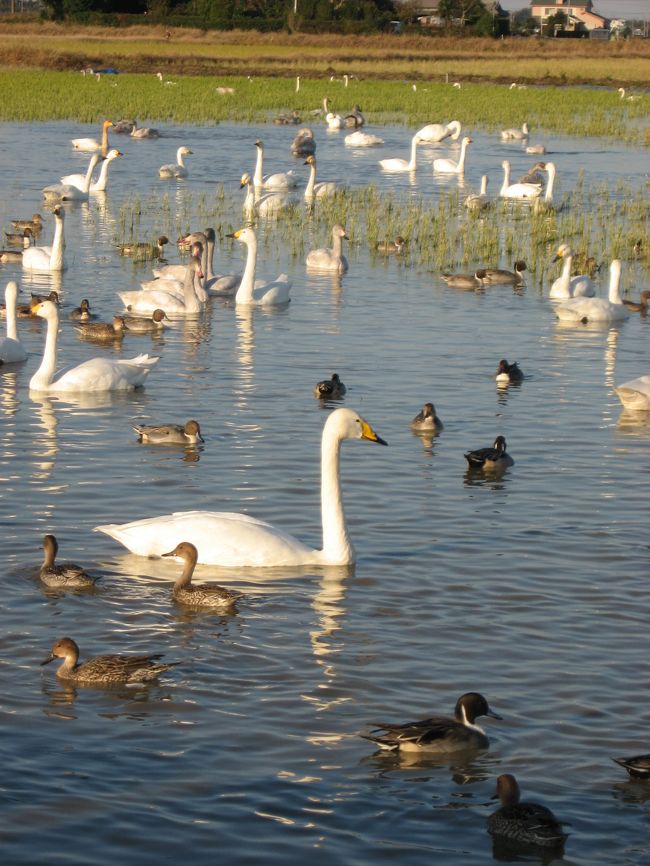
{"x": 530, "y": 588}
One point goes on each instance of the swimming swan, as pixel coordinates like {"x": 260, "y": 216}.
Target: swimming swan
{"x": 91, "y": 144}
{"x": 362, "y": 139}
{"x": 236, "y": 540}
{"x": 330, "y": 259}
{"x": 566, "y": 286}
{"x": 149, "y": 301}
{"x": 398, "y": 164}
{"x": 317, "y": 190}
{"x": 97, "y": 374}
{"x": 281, "y": 180}
{"x": 12, "y": 350}
{"x": 177, "y": 169}
{"x": 434, "y": 132}
{"x": 597, "y": 309}
{"x": 635, "y": 394}
{"x": 267, "y": 204}
{"x": 69, "y": 192}
{"x": 258, "y": 293}
{"x": 48, "y": 258}
{"x": 333, "y": 121}
{"x": 451, "y": 166}
{"x": 99, "y": 185}
{"x": 518, "y": 191}
{"x": 479, "y": 201}
{"x": 515, "y": 134}
{"x": 144, "y": 131}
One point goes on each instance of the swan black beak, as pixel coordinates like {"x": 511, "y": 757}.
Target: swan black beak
{"x": 368, "y": 433}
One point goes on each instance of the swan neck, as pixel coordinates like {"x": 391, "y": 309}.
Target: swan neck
{"x": 614, "y": 282}
{"x": 245, "y": 290}
{"x": 189, "y": 294}
{"x": 56, "y": 257}
{"x": 209, "y": 272}
{"x": 100, "y": 183}
{"x": 506, "y": 178}
{"x": 337, "y": 546}
{"x": 548, "y": 194}
{"x": 311, "y": 183}
{"x": 10, "y": 309}
{"x": 42, "y": 378}
{"x": 179, "y": 158}
{"x": 412, "y": 162}
{"x": 104, "y": 141}
{"x": 484, "y": 183}
{"x": 337, "y": 245}
{"x": 258, "y": 179}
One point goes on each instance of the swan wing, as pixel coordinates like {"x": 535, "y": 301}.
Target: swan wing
{"x": 12, "y": 351}
{"x": 148, "y": 302}
{"x": 635, "y": 394}
{"x": 78, "y": 180}
{"x": 273, "y": 292}
{"x": 102, "y": 374}
{"x": 224, "y": 284}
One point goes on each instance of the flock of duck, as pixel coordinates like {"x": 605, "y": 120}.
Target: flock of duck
{"x": 237, "y": 540}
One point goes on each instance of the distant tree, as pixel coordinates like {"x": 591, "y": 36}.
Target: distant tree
{"x": 553, "y": 22}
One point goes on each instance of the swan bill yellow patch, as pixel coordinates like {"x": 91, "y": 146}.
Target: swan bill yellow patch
{"x": 368, "y": 433}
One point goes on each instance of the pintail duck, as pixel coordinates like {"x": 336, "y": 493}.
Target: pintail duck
{"x": 490, "y": 459}
{"x": 82, "y": 312}
{"x": 35, "y": 223}
{"x": 509, "y": 372}
{"x": 103, "y": 330}
{"x": 503, "y": 277}
{"x": 145, "y": 249}
{"x": 109, "y": 670}
{"x": 640, "y": 306}
{"x": 208, "y": 594}
{"x": 289, "y": 119}
{"x": 526, "y": 823}
{"x": 144, "y": 325}
{"x": 64, "y": 576}
{"x": 26, "y": 311}
{"x": 330, "y": 389}
{"x": 438, "y": 733}
{"x": 22, "y": 238}
{"x": 8, "y": 257}
{"x": 169, "y": 434}
{"x": 426, "y": 419}
{"x": 465, "y": 281}
{"x": 638, "y": 767}
{"x": 396, "y": 246}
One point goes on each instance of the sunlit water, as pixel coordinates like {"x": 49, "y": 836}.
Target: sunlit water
{"x": 531, "y": 588}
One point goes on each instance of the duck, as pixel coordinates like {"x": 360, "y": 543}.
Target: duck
{"x": 492, "y": 459}
{"x": 25, "y": 311}
{"x": 68, "y": 191}
{"x": 35, "y": 224}
{"x": 284, "y": 119}
{"x": 333, "y": 121}
{"x": 237, "y": 540}
{"x": 515, "y": 134}
{"x": 313, "y": 190}
{"x": 177, "y": 169}
{"x": 566, "y": 286}
{"x": 97, "y": 374}
{"x": 435, "y": 132}
{"x": 282, "y": 180}
{"x": 503, "y": 277}
{"x": 465, "y": 281}
{"x": 398, "y": 164}
{"x": 330, "y": 389}
{"x": 478, "y": 201}
{"x": 99, "y": 185}
{"x": 388, "y": 247}
{"x": 146, "y": 325}
{"x": 64, "y": 576}
{"x": 12, "y": 350}
{"x": 124, "y": 126}
{"x": 145, "y": 249}
{"x": 91, "y": 145}
{"x": 82, "y": 312}
{"x": 362, "y": 139}
{"x": 208, "y": 594}
{"x": 438, "y": 733}
{"x": 107, "y": 670}
{"x": 330, "y": 258}
{"x": 8, "y": 257}
{"x": 639, "y": 766}
{"x": 169, "y": 434}
{"x": 526, "y": 823}
{"x": 427, "y": 420}
{"x": 144, "y": 131}
{"x": 103, "y": 331}
{"x": 48, "y": 258}
{"x": 23, "y": 238}
{"x": 196, "y": 243}
{"x": 508, "y": 372}
{"x": 303, "y": 143}
{"x": 640, "y": 306}
{"x": 258, "y": 293}
{"x": 536, "y": 148}
{"x": 534, "y": 174}
{"x": 597, "y": 309}
{"x": 354, "y": 119}
{"x": 154, "y": 299}
{"x": 517, "y": 191}
{"x": 451, "y": 166}
{"x": 635, "y": 394}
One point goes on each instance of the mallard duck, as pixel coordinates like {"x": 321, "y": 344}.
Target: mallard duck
{"x": 490, "y": 459}
{"x": 144, "y": 325}
{"x": 508, "y": 372}
{"x": 103, "y": 330}
{"x": 438, "y": 733}
{"x": 109, "y": 670}
{"x": 426, "y": 419}
{"x": 330, "y": 389}
{"x": 169, "y": 434}
{"x": 638, "y": 767}
{"x": 527, "y": 823}
{"x": 64, "y": 576}
{"x": 208, "y": 594}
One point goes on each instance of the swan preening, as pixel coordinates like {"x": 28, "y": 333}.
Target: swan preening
{"x": 398, "y": 164}
{"x": 362, "y": 139}
{"x": 84, "y": 182}
{"x": 48, "y": 258}
{"x": 282, "y": 180}
{"x": 434, "y": 132}
{"x": 583, "y": 310}
{"x": 451, "y": 166}
{"x": 258, "y": 293}
{"x": 330, "y": 258}
{"x": 237, "y": 540}
{"x": 97, "y": 374}
{"x": 566, "y": 286}
{"x": 12, "y": 350}
{"x": 177, "y": 169}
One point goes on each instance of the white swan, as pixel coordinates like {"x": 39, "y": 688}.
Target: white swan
{"x": 397, "y": 164}
{"x": 362, "y": 139}
{"x": 333, "y": 121}
{"x": 91, "y": 145}
{"x": 48, "y": 258}
{"x": 69, "y": 192}
{"x": 177, "y": 169}
{"x": 434, "y": 132}
{"x": 144, "y": 131}
{"x": 12, "y": 350}
{"x": 253, "y": 292}
{"x": 217, "y": 284}
{"x": 545, "y": 203}
{"x": 517, "y": 191}
{"x": 635, "y": 394}
{"x": 237, "y": 540}
{"x": 148, "y": 302}
{"x": 479, "y": 201}
{"x": 99, "y": 185}
{"x": 597, "y": 309}
{"x": 313, "y": 190}
{"x": 566, "y": 286}
{"x": 281, "y": 180}
{"x": 330, "y": 259}
{"x": 515, "y": 134}
{"x": 174, "y": 283}
{"x": 634, "y": 97}
{"x": 97, "y": 374}
{"x": 268, "y": 204}
{"x": 451, "y": 166}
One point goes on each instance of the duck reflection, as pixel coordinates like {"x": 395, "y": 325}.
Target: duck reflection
{"x": 465, "y": 768}
{"x": 506, "y": 851}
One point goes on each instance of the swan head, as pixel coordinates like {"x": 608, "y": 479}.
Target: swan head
{"x": 113, "y": 153}
{"x": 107, "y": 124}
{"x": 244, "y": 236}
{"x": 185, "y": 551}
{"x": 340, "y": 231}
{"x": 563, "y": 251}
{"x": 348, "y": 424}
{"x": 46, "y": 310}
{"x": 505, "y": 165}
{"x": 245, "y": 180}
{"x": 58, "y": 212}
{"x": 467, "y": 140}
{"x": 311, "y": 160}
{"x": 259, "y": 144}
{"x": 184, "y": 150}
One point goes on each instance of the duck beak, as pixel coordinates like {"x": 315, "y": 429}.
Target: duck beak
{"x": 171, "y": 553}
{"x": 368, "y": 433}
{"x": 494, "y": 715}
{"x": 49, "y": 659}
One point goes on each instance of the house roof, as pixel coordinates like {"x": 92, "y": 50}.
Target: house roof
{"x": 562, "y": 3}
